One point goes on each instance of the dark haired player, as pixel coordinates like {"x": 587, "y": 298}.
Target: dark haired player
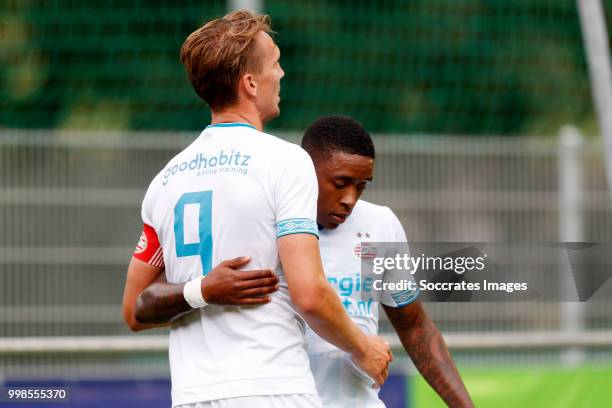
{"x": 343, "y": 154}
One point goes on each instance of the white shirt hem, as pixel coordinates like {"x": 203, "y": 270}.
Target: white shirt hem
{"x": 242, "y": 388}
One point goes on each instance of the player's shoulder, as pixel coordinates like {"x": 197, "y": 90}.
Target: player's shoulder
{"x": 379, "y": 212}
{"x": 379, "y": 220}
{"x": 282, "y": 145}
{"x": 284, "y": 154}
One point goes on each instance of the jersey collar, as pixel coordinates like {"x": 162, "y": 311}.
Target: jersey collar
{"x": 231, "y": 124}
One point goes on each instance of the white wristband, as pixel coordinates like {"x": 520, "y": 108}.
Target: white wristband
{"x": 192, "y": 292}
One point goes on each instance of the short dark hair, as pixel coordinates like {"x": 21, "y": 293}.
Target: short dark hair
{"x": 335, "y": 133}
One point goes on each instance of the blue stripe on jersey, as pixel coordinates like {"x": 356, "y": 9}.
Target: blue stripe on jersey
{"x": 296, "y": 226}
{"x": 406, "y": 297}
{"x": 232, "y": 125}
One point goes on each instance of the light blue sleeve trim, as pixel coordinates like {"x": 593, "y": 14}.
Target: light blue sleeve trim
{"x": 403, "y": 303}
{"x": 296, "y": 226}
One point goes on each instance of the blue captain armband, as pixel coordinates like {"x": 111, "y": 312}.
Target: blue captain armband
{"x": 296, "y": 226}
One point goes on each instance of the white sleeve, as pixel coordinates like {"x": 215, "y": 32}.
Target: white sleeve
{"x": 146, "y": 211}
{"x": 396, "y": 227}
{"x": 148, "y": 203}
{"x": 295, "y": 194}
{"x": 398, "y": 298}
{"x": 148, "y": 248}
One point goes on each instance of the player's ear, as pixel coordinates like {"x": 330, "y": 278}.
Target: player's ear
{"x": 248, "y": 84}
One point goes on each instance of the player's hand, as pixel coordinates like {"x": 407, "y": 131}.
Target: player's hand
{"x": 374, "y": 361}
{"x": 225, "y": 285}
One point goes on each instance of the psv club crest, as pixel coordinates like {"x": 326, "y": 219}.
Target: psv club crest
{"x": 365, "y": 252}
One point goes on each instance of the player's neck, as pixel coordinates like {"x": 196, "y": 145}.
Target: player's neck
{"x": 237, "y": 115}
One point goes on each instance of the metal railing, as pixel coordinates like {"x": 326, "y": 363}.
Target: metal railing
{"x": 70, "y": 216}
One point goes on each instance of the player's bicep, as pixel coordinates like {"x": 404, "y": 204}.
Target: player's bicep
{"x": 301, "y": 260}
{"x": 295, "y": 196}
{"x": 406, "y": 318}
{"x": 139, "y": 276}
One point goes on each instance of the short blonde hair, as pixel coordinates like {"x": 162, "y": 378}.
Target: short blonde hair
{"x": 217, "y": 54}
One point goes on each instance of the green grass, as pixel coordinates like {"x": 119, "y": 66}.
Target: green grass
{"x": 530, "y": 387}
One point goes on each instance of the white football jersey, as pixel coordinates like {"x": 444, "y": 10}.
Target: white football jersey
{"x": 338, "y": 381}
{"x": 231, "y": 193}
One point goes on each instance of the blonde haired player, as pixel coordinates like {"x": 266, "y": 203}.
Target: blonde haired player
{"x": 238, "y": 190}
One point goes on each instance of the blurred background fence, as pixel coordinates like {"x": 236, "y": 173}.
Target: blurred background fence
{"x": 94, "y": 101}
{"x": 70, "y": 216}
